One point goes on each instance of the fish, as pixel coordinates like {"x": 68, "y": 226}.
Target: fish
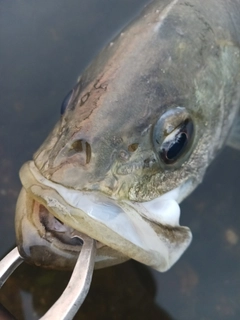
{"x": 135, "y": 137}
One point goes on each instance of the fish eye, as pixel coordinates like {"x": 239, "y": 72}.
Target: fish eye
{"x": 66, "y": 101}
{"x": 174, "y": 145}
{"x": 173, "y": 135}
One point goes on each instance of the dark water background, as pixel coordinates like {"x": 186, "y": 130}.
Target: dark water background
{"x": 44, "y": 46}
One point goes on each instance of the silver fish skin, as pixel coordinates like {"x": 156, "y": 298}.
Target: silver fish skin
{"x": 140, "y": 128}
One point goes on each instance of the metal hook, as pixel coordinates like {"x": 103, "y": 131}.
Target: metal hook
{"x": 77, "y": 289}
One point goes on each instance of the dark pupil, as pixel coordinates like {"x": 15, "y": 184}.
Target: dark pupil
{"x": 177, "y": 147}
{"x": 172, "y": 150}
{"x": 65, "y": 102}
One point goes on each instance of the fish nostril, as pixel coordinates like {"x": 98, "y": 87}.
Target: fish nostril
{"x": 82, "y": 146}
{"x": 88, "y": 152}
{"x": 77, "y": 145}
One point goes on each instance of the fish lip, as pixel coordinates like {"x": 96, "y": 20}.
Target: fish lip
{"x": 135, "y": 238}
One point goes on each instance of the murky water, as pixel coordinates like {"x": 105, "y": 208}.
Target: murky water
{"x": 44, "y": 46}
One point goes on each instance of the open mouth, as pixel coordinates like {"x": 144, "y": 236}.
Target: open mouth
{"x": 54, "y": 228}
{"x": 46, "y": 241}
{"x": 147, "y": 232}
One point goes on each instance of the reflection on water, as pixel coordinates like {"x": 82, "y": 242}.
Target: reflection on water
{"x": 122, "y": 292}
{"x": 44, "y": 46}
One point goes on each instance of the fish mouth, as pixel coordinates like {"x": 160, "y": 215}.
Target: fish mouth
{"x": 46, "y": 241}
{"x": 148, "y": 232}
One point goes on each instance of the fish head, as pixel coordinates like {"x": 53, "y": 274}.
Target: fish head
{"x": 122, "y": 148}
{"x": 121, "y": 167}
{"x": 135, "y": 137}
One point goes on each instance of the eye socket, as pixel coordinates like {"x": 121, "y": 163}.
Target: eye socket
{"x": 173, "y": 135}
{"x": 66, "y": 101}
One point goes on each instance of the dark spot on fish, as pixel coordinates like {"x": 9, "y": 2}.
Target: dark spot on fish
{"x": 82, "y": 146}
{"x": 77, "y": 145}
{"x": 133, "y": 147}
{"x": 88, "y": 152}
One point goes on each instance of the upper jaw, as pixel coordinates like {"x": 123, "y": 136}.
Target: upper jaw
{"x": 147, "y": 232}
